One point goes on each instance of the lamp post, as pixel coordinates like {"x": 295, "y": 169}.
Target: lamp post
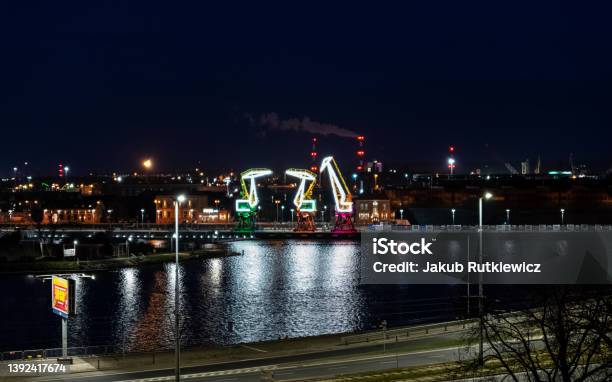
{"x": 127, "y": 245}
{"x": 177, "y": 338}
{"x": 109, "y": 217}
{"x": 277, "y": 202}
{"x": 401, "y": 213}
{"x": 562, "y": 216}
{"x": 292, "y": 216}
{"x": 282, "y": 213}
{"x": 323, "y": 213}
{"x": 451, "y": 165}
{"x": 507, "y": 216}
{"x": 486, "y": 196}
{"x": 453, "y": 215}
{"x": 142, "y": 211}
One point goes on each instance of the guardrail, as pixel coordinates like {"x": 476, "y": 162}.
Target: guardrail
{"x": 411, "y": 331}
{"x": 494, "y": 228}
{"x": 82, "y": 351}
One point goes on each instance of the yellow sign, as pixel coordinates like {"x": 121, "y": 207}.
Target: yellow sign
{"x": 60, "y": 297}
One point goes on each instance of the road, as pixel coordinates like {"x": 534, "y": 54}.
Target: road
{"x": 301, "y": 366}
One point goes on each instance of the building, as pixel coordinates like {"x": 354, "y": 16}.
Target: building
{"x": 372, "y": 209}
{"x": 196, "y": 209}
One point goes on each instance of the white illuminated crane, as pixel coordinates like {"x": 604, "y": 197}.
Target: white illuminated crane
{"x": 342, "y": 197}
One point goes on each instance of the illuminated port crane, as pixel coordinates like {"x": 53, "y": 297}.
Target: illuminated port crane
{"x": 246, "y": 208}
{"x": 305, "y": 206}
{"x": 342, "y": 197}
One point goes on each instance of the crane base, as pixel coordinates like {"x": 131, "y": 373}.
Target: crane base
{"x": 344, "y": 223}
{"x": 305, "y": 222}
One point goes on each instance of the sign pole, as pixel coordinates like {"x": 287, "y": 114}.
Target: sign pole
{"x": 64, "y": 338}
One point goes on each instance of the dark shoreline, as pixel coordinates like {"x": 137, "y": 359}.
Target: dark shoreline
{"x": 59, "y": 266}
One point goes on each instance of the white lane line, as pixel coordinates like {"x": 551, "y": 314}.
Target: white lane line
{"x": 252, "y": 348}
{"x": 393, "y": 362}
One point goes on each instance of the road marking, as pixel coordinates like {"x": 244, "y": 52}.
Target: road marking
{"x": 252, "y": 348}
{"x": 389, "y": 362}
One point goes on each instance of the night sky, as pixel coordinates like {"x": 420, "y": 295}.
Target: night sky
{"x": 101, "y": 85}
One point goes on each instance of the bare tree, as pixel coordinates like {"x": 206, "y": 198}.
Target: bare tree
{"x": 559, "y": 334}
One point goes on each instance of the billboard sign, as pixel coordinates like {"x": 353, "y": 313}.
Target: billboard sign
{"x": 69, "y": 252}
{"x": 60, "y": 296}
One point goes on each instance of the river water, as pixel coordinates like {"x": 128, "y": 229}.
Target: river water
{"x": 285, "y": 288}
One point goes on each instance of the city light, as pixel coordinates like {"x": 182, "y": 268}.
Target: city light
{"x": 147, "y": 163}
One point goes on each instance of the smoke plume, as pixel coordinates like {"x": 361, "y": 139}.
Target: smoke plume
{"x": 272, "y": 121}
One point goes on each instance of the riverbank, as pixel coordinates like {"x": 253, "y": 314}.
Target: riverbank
{"x": 67, "y": 266}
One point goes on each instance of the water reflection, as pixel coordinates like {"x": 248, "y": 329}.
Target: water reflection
{"x": 276, "y": 289}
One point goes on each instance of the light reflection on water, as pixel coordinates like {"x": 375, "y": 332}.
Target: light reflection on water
{"x": 276, "y": 289}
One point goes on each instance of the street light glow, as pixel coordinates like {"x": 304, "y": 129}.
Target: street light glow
{"x": 147, "y": 163}
{"x": 488, "y": 195}
{"x": 181, "y": 198}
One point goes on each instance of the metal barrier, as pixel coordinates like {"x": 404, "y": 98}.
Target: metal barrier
{"x": 408, "y": 331}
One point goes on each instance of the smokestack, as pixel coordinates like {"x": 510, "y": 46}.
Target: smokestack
{"x": 313, "y": 156}
{"x": 360, "y": 152}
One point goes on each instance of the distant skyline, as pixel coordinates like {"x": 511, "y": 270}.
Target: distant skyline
{"x": 103, "y": 86}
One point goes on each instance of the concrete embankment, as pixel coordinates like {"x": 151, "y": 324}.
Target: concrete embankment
{"x": 45, "y": 265}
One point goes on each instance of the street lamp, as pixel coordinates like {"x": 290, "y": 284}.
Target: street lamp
{"x": 292, "y": 216}
{"x": 486, "y": 196}
{"x": 147, "y": 163}
{"x": 451, "y": 165}
{"x": 282, "y": 213}
{"x": 277, "y": 202}
{"x": 562, "y": 215}
{"x": 142, "y": 211}
{"x": 401, "y": 214}
{"x": 177, "y": 339}
{"x": 75, "y": 244}
{"x": 453, "y": 215}
{"x": 507, "y": 216}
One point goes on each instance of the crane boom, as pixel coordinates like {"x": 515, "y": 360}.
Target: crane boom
{"x": 342, "y": 194}
{"x": 303, "y": 197}
{"x": 249, "y": 194}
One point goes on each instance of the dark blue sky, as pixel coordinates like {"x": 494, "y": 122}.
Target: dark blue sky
{"x": 102, "y": 84}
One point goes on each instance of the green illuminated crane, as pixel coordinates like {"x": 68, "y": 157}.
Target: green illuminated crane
{"x": 246, "y": 208}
